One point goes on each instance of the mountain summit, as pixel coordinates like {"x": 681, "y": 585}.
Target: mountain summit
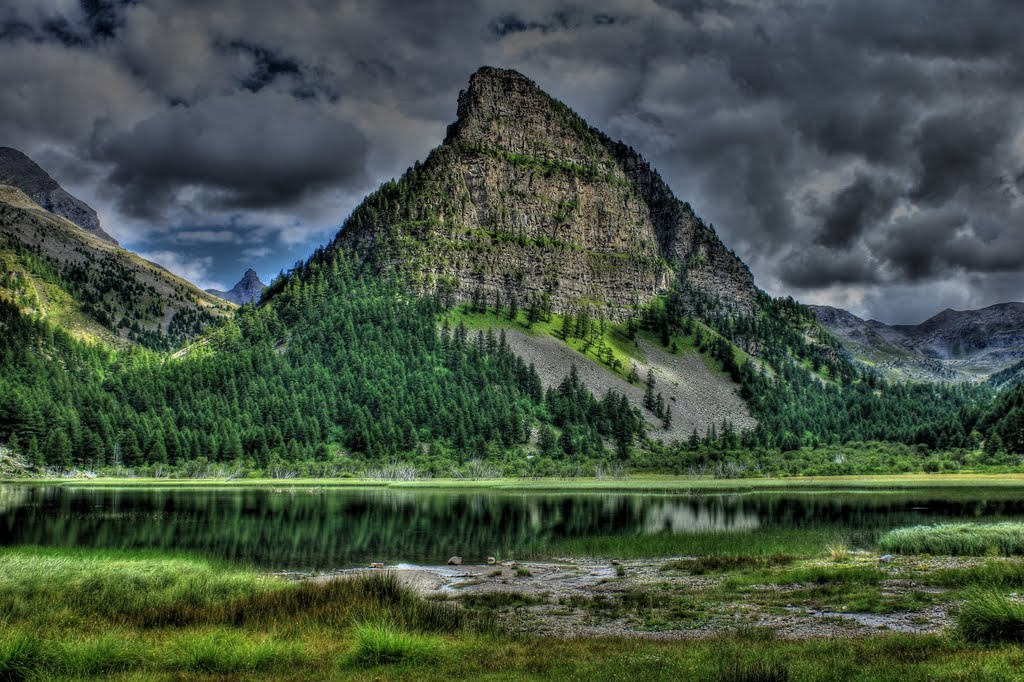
{"x": 18, "y": 170}
{"x": 249, "y": 288}
{"x": 524, "y": 199}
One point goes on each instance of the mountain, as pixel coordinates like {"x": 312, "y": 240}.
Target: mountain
{"x": 576, "y": 316}
{"x": 91, "y": 287}
{"x": 18, "y": 170}
{"x": 954, "y": 345}
{"x": 248, "y": 289}
{"x": 524, "y": 199}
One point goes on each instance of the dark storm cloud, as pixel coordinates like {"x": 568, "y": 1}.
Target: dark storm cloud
{"x": 819, "y": 266}
{"x": 860, "y": 204}
{"x": 243, "y": 152}
{"x": 854, "y": 147}
{"x": 957, "y": 150}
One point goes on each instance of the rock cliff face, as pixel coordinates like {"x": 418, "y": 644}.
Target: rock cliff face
{"x": 18, "y": 170}
{"x": 248, "y": 289}
{"x": 954, "y": 345}
{"x": 524, "y": 198}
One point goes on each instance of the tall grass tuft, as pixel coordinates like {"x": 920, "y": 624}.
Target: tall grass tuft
{"x": 838, "y": 550}
{"x": 111, "y": 652}
{"x": 957, "y": 539}
{"x": 381, "y": 643}
{"x": 988, "y": 616}
{"x": 21, "y": 653}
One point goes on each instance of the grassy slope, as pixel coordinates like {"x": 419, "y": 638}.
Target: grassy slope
{"x": 623, "y": 349}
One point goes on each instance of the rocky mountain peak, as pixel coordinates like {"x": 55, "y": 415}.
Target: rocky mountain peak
{"x": 248, "y": 289}
{"x": 18, "y": 170}
{"x": 525, "y": 199}
{"x": 503, "y": 109}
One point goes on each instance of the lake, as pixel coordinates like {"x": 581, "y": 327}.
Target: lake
{"x": 305, "y": 529}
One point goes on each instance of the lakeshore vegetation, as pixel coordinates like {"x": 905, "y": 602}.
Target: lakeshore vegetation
{"x": 70, "y": 614}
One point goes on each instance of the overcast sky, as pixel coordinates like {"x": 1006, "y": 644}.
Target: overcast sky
{"x": 867, "y": 154}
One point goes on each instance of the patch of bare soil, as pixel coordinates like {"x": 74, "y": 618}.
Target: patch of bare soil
{"x": 584, "y": 598}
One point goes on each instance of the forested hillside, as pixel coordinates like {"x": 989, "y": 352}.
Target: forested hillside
{"x": 337, "y": 373}
{"x": 344, "y": 372}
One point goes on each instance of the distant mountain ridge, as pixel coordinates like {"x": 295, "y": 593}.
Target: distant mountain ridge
{"x": 87, "y": 285}
{"x": 953, "y": 345}
{"x": 248, "y": 289}
{"x": 18, "y": 170}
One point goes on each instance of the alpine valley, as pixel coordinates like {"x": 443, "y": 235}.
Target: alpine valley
{"x": 530, "y": 299}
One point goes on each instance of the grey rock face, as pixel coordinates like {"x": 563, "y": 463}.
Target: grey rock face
{"x": 524, "y": 198}
{"x": 249, "y": 288}
{"x": 954, "y": 345}
{"x": 20, "y": 171}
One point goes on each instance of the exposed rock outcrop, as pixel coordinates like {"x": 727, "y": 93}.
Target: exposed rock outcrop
{"x": 20, "y": 171}
{"x": 954, "y": 345}
{"x": 524, "y": 199}
{"x": 248, "y": 289}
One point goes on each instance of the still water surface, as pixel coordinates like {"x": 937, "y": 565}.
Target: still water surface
{"x": 295, "y": 529}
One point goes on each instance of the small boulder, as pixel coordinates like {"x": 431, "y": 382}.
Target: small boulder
{"x": 455, "y": 561}
{"x": 491, "y": 561}
{"x": 888, "y": 558}
{"x": 376, "y": 564}
{"x": 508, "y": 564}
{"x": 616, "y": 562}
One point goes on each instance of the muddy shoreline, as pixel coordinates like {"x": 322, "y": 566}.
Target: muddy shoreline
{"x": 640, "y": 598}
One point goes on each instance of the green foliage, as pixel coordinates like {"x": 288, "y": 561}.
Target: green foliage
{"x": 381, "y": 643}
{"x": 990, "y": 617}
{"x": 957, "y": 539}
{"x": 338, "y": 369}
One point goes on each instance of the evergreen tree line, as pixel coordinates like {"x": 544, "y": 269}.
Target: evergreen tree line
{"x": 338, "y": 365}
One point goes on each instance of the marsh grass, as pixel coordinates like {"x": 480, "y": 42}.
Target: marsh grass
{"x": 334, "y": 603}
{"x": 988, "y": 616}
{"x": 49, "y": 586}
{"x": 838, "y": 550}
{"x": 382, "y": 643}
{"x": 957, "y": 539}
{"x": 704, "y": 565}
{"x": 224, "y": 652}
{"x": 994, "y": 573}
{"x": 233, "y": 623}
{"x": 809, "y": 575}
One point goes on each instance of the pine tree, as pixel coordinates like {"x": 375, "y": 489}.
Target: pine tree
{"x": 634, "y": 374}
